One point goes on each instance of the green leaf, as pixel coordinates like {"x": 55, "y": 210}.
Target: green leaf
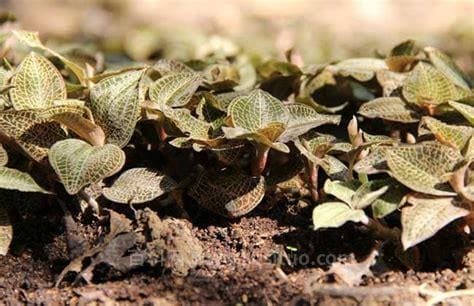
{"x": 389, "y": 108}
{"x": 448, "y": 67}
{"x": 32, "y": 40}
{"x": 304, "y": 118}
{"x": 36, "y": 84}
{"x": 229, "y": 193}
{"x": 139, "y": 185}
{"x": 6, "y": 231}
{"x": 361, "y": 69}
{"x": 455, "y": 136}
{"x": 175, "y": 89}
{"x": 336, "y": 214}
{"x": 78, "y": 164}
{"x": 423, "y": 167}
{"x": 13, "y": 179}
{"x": 342, "y": 190}
{"x": 390, "y": 200}
{"x": 367, "y": 193}
{"x": 114, "y": 101}
{"x": 427, "y": 85}
{"x": 466, "y": 110}
{"x": 426, "y": 217}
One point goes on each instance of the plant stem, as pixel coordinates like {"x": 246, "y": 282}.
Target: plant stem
{"x": 260, "y": 159}
{"x": 90, "y": 200}
{"x": 363, "y": 178}
{"x": 312, "y": 176}
{"x": 383, "y": 231}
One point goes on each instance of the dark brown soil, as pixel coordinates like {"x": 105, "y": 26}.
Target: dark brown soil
{"x": 266, "y": 258}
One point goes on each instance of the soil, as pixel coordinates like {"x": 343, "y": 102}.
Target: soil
{"x": 268, "y": 257}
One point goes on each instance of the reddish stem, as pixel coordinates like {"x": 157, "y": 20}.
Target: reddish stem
{"x": 260, "y": 159}
{"x": 312, "y": 176}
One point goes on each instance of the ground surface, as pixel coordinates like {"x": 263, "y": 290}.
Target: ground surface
{"x": 263, "y": 258}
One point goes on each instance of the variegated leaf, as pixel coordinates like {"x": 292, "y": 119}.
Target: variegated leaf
{"x": 423, "y": 167}
{"x": 114, "y": 101}
{"x": 257, "y": 110}
{"x": 14, "y": 179}
{"x": 427, "y": 85}
{"x": 31, "y": 131}
{"x": 361, "y": 69}
{"x": 3, "y": 156}
{"x": 36, "y": 84}
{"x": 174, "y": 89}
{"x": 426, "y": 217}
{"x": 32, "y": 40}
{"x": 230, "y": 194}
{"x": 464, "y": 109}
{"x": 455, "y": 136}
{"x": 448, "y": 67}
{"x": 78, "y": 164}
{"x": 389, "y": 108}
{"x": 373, "y": 163}
{"x": 336, "y": 214}
{"x": 188, "y": 124}
{"x": 302, "y": 119}
{"x": 139, "y": 185}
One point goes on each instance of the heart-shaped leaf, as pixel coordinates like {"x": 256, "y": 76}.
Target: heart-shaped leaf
{"x": 78, "y": 164}
{"x": 257, "y": 110}
{"x": 426, "y": 217}
{"x": 302, "y": 119}
{"x": 336, "y": 214}
{"x": 6, "y": 230}
{"x": 139, "y": 185}
{"x": 114, "y": 101}
{"x": 229, "y": 193}
{"x": 260, "y": 117}
{"x": 389, "y": 108}
{"x": 36, "y": 84}
{"x": 448, "y": 67}
{"x": 174, "y": 89}
{"x": 455, "y": 136}
{"x": 423, "y": 167}
{"x": 14, "y": 179}
{"x": 427, "y": 85}
{"x": 466, "y": 110}
{"x": 32, "y": 40}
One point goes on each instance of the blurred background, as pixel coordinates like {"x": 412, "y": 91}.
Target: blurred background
{"x": 319, "y": 30}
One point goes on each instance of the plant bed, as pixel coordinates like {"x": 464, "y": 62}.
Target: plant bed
{"x": 228, "y": 179}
